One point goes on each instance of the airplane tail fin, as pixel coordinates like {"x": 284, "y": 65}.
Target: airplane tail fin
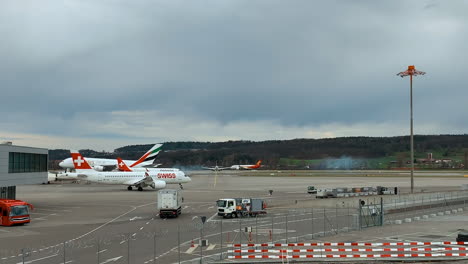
{"x": 259, "y": 162}
{"x": 80, "y": 164}
{"x": 122, "y": 165}
{"x": 148, "y": 157}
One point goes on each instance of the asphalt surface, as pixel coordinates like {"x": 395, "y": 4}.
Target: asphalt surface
{"x": 88, "y": 223}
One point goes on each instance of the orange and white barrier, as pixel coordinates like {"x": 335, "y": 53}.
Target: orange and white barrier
{"x": 351, "y": 256}
{"x": 342, "y": 250}
{"x": 350, "y": 244}
{"x": 288, "y": 250}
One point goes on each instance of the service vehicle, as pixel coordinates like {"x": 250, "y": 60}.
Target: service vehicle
{"x": 169, "y": 203}
{"x": 326, "y": 193}
{"x": 311, "y": 189}
{"x": 14, "y": 212}
{"x": 240, "y": 207}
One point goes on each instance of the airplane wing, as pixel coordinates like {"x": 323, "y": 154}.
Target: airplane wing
{"x": 147, "y": 180}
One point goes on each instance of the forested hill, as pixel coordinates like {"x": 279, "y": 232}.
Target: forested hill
{"x": 277, "y": 152}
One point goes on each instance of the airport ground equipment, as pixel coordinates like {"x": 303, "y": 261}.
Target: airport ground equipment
{"x": 241, "y": 207}
{"x": 169, "y": 203}
{"x": 311, "y": 189}
{"x": 14, "y": 212}
{"x": 356, "y": 191}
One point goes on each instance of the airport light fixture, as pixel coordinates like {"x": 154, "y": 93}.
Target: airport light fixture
{"x": 411, "y": 71}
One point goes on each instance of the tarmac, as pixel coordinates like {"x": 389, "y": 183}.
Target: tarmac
{"x": 91, "y": 223}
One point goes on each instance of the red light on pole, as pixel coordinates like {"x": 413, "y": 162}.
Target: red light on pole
{"x": 411, "y": 72}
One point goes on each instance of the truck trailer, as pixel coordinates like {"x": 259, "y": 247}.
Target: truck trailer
{"x": 169, "y": 203}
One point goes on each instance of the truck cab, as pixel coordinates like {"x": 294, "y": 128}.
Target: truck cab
{"x": 229, "y": 207}
{"x": 14, "y": 212}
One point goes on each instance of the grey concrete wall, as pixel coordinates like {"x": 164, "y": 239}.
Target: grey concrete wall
{"x": 13, "y": 179}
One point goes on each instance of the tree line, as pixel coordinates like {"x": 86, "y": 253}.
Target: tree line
{"x": 187, "y": 153}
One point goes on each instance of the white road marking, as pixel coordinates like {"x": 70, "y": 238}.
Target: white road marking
{"x": 210, "y": 247}
{"x": 34, "y": 260}
{"x": 191, "y": 249}
{"x": 104, "y": 250}
{"x": 135, "y": 218}
{"x": 111, "y": 260}
{"x": 141, "y": 228}
{"x": 211, "y": 218}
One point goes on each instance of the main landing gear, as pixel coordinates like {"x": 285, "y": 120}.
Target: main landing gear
{"x": 181, "y": 187}
{"x": 129, "y": 188}
{"x": 140, "y": 188}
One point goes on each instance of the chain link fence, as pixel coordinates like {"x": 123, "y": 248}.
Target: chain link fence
{"x": 198, "y": 242}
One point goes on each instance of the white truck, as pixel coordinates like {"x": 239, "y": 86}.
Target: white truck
{"x": 240, "y": 207}
{"x": 169, "y": 203}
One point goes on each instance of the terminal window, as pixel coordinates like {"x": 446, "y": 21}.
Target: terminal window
{"x": 26, "y": 162}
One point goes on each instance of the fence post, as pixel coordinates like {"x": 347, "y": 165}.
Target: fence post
{"x": 154, "y": 247}
{"x": 128, "y": 249}
{"x": 240, "y": 235}
{"x": 272, "y": 228}
{"x": 221, "y": 255}
{"x": 312, "y": 222}
{"x": 178, "y": 241}
{"x": 324, "y": 223}
{"x": 256, "y": 229}
{"x": 336, "y": 218}
{"x": 64, "y": 255}
{"x": 349, "y": 219}
{"x": 98, "y": 251}
{"x": 381, "y": 212}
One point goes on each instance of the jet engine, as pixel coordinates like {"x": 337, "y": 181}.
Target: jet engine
{"x": 99, "y": 168}
{"x": 158, "y": 185}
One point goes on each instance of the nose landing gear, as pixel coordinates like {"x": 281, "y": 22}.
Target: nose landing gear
{"x": 129, "y": 188}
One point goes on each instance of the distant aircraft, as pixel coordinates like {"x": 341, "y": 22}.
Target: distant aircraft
{"x": 217, "y": 168}
{"x": 247, "y": 167}
{"x": 102, "y": 164}
{"x": 139, "y": 179}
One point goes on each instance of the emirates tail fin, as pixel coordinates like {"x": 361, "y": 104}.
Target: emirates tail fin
{"x": 148, "y": 157}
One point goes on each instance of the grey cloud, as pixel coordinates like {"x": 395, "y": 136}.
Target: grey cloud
{"x": 300, "y": 63}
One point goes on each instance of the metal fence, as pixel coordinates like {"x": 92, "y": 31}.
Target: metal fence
{"x": 167, "y": 242}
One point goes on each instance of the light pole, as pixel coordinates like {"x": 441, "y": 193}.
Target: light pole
{"x": 411, "y": 72}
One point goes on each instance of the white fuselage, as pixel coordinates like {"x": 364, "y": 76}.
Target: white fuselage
{"x": 128, "y": 178}
{"x": 68, "y": 163}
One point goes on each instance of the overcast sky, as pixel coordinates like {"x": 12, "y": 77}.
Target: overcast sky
{"x": 108, "y": 73}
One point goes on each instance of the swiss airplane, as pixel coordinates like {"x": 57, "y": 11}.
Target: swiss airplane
{"x": 101, "y": 164}
{"x": 161, "y": 172}
{"x": 247, "y": 167}
{"x": 139, "y": 179}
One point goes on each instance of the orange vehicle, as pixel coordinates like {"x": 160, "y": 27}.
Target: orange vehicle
{"x": 14, "y": 212}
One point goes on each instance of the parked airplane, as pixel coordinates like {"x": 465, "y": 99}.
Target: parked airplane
{"x": 247, "y": 167}
{"x": 122, "y": 166}
{"x": 139, "y": 179}
{"x": 102, "y": 164}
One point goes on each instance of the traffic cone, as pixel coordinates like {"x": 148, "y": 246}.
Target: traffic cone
{"x": 192, "y": 245}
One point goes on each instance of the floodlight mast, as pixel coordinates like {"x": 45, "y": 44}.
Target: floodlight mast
{"x": 411, "y": 72}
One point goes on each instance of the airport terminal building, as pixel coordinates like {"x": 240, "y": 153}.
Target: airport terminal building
{"x": 21, "y": 165}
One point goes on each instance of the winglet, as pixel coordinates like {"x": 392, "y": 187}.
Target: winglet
{"x": 148, "y": 157}
{"x": 122, "y": 165}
